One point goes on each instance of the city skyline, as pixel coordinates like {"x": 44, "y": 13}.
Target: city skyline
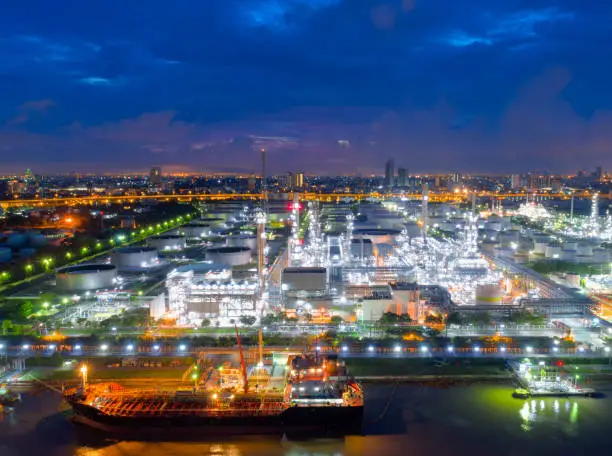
{"x": 326, "y": 86}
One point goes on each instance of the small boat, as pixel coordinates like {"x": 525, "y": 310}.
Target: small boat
{"x": 521, "y": 393}
{"x": 9, "y": 398}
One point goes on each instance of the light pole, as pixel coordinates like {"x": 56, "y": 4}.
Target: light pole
{"x": 84, "y": 376}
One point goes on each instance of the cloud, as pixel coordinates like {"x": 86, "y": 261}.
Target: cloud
{"x": 195, "y": 81}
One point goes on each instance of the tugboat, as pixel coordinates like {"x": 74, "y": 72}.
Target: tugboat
{"x": 521, "y": 393}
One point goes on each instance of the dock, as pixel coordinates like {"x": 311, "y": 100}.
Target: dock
{"x": 540, "y": 380}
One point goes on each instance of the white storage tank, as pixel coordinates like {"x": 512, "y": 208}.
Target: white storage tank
{"x": 167, "y": 242}
{"x": 195, "y": 231}
{"x": 230, "y": 256}
{"x": 377, "y": 236}
{"x": 540, "y": 247}
{"x": 585, "y": 249}
{"x": 134, "y": 257}
{"x": 553, "y": 250}
{"x": 601, "y": 255}
{"x": 309, "y": 279}
{"x": 362, "y": 248}
{"x": 568, "y": 255}
{"x": 242, "y": 240}
{"x": 84, "y": 277}
{"x": 489, "y": 294}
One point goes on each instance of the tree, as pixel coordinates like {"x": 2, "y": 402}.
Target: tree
{"x": 205, "y": 323}
{"x": 454, "y": 318}
{"x": 336, "y": 320}
{"x": 248, "y": 320}
{"x": 269, "y": 319}
{"x": 434, "y": 319}
{"x": 7, "y": 325}
{"x": 26, "y": 309}
{"x": 389, "y": 318}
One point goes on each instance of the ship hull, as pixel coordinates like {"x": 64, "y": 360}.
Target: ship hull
{"x": 295, "y": 422}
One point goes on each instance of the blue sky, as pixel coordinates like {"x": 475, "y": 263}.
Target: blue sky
{"x": 328, "y": 86}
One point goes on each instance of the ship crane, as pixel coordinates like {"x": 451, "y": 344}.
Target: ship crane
{"x": 245, "y": 378}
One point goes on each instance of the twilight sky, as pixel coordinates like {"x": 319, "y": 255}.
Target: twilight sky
{"x": 327, "y": 86}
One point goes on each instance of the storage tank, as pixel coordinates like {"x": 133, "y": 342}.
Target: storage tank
{"x": 167, "y": 242}
{"x": 309, "y": 279}
{"x": 17, "y": 240}
{"x": 553, "y": 250}
{"x": 5, "y": 254}
{"x": 242, "y": 240}
{"x": 488, "y": 294}
{"x": 134, "y": 257}
{"x": 230, "y": 256}
{"x": 600, "y": 255}
{"x": 36, "y": 239}
{"x": 540, "y": 247}
{"x": 568, "y": 255}
{"x": 195, "y": 231}
{"x": 413, "y": 230}
{"x": 377, "y": 236}
{"x": 84, "y": 277}
{"x": 362, "y": 248}
{"x": 584, "y": 249}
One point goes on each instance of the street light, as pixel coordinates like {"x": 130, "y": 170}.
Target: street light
{"x": 130, "y": 347}
{"x": 371, "y": 348}
{"x": 104, "y": 347}
{"x": 182, "y": 347}
{"x": 528, "y": 349}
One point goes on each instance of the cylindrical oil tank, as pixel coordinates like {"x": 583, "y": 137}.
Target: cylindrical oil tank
{"x": 540, "y": 247}
{"x": 568, "y": 255}
{"x": 242, "y": 240}
{"x": 134, "y": 257}
{"x": 195, "y": 230}
{"x": 167, "y": 242}
{"x": 84, "y": 277}
{"x": 36, "y": 239}
{"x": 362, "y": 248}
{"x": 585, "y": 249}
{"x": 230, "y": 256}
{"x": 413, "y": 230}
{"x": 377, "y": 236}
{"x": 17, "y": 240}
{"x": 553, "y": 250}
{"x": 601, "y": 256}
{"x": 489, "y": 294}
{"x": 5, "y": 254}
{"x": 570, "y": 245}
{"x": 308, "y": 279}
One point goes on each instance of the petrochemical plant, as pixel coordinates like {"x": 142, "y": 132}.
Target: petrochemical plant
{"x": 314, "y": 260}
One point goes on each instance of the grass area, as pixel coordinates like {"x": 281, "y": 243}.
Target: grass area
{"x": 418, "y": 366}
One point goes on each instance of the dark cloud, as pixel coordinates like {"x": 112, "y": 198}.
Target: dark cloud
{"x": 193, "y": 84}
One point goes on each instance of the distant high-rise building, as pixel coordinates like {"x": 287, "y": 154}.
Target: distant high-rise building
{"x": 598, "y": 172}
{"x": 155, "y": 176}
{"x": 456, "y": 177}
{"x": 402, "y": 177}
{"x": 389, "y": 173}
{"x": 516, "y": 181}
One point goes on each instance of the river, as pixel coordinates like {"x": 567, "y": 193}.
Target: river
{"x": 469, "y": 420}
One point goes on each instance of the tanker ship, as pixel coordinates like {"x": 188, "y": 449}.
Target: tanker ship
{"x": 297, "y": 396}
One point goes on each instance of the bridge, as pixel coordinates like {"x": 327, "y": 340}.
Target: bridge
{"x": 93, "y": 200}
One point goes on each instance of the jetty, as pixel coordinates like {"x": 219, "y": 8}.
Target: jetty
{"x": 540, "y": 379}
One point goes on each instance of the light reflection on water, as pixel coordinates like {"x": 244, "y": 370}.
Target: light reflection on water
{"x": 477, "y": 418}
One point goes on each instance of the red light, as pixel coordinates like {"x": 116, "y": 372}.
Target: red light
{"x": 559, "y": 363}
